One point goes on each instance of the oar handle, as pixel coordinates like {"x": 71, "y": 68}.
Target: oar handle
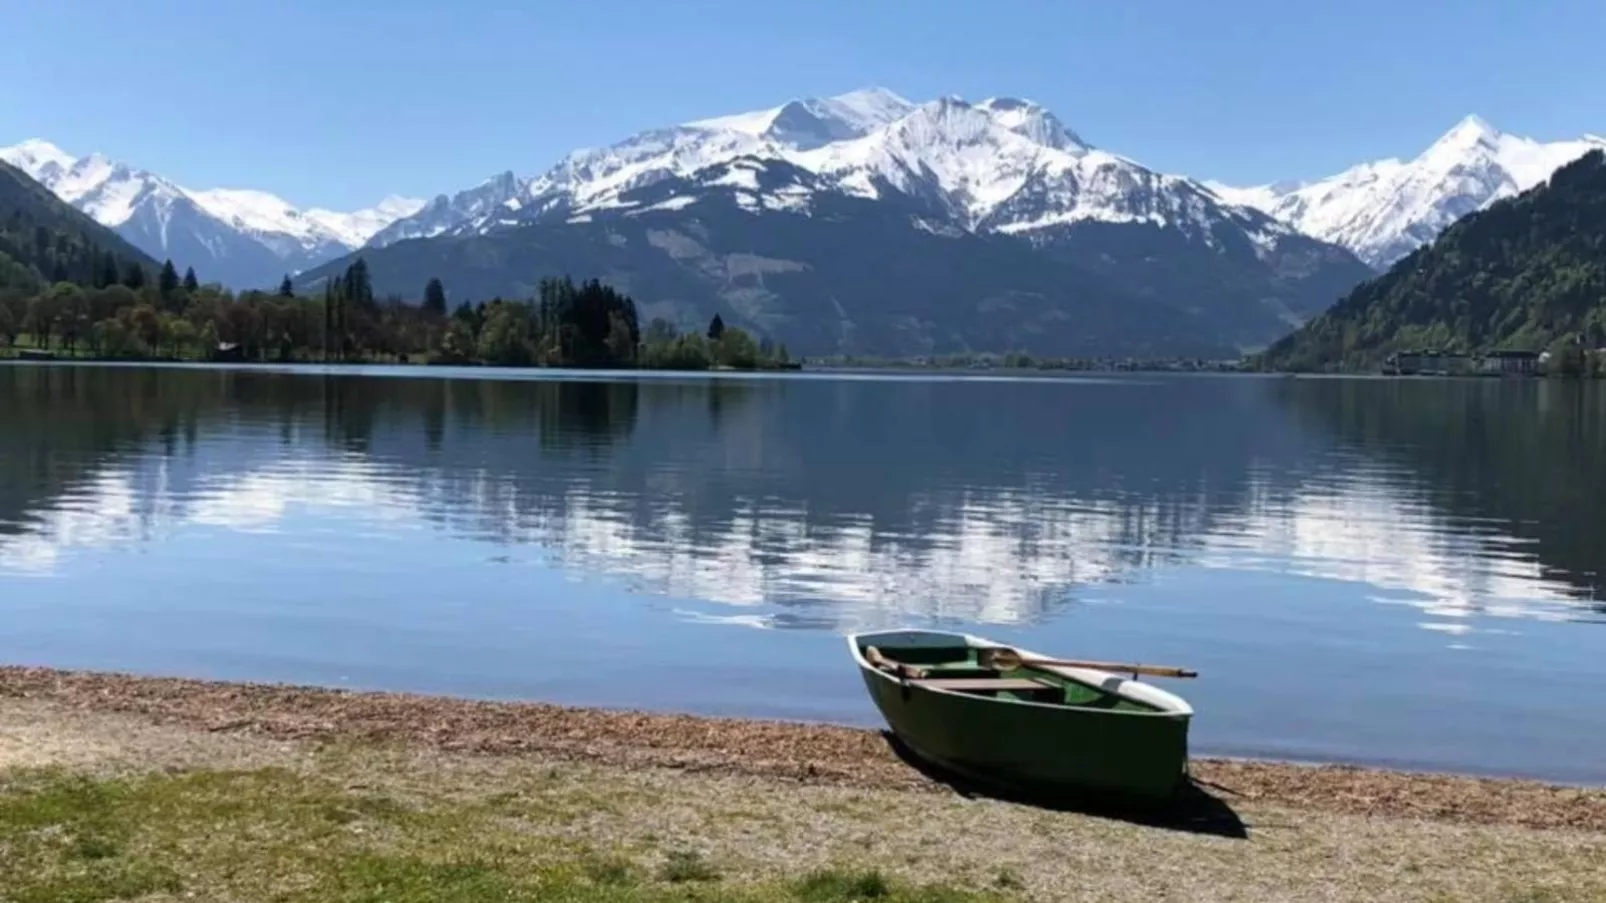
{"x": 881, "y": 662}
{"x": 1009, "y": 659}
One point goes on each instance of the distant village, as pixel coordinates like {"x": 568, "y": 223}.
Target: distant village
{"x": 1455, "y": 363}
{"x": 1569, "y": 360}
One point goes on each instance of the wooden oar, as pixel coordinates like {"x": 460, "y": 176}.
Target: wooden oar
{"x": 876, "y": 659}
{"x": 1006, "y": 659}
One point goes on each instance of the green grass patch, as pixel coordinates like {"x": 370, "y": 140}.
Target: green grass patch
{"x": 869, "y": 885}
{"x": 840, "y": 887}
{"x": 681, "y": 866}
{"x": 275, "y": 834}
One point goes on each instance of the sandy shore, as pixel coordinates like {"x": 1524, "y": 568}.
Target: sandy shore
{"x": 763, "y": 805}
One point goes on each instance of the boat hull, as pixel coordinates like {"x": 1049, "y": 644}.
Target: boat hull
{"x": 1037, "y": 749}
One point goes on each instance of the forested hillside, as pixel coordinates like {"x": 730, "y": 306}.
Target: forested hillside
{"x": 1528, "y": 273}
{"x": 44, "y": 240}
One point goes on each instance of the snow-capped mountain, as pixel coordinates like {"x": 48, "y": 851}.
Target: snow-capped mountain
{"x": 443, "y": 212}
{"x": 273, "y": 218}
{"x": 803, "y": 221}
{"x": 1384, "y": 210}
{"x": 806, "y": 124}
{"x": 1000, "y": 165}
{"x": 594, "y": 178}
{"x": 241, "y": 238}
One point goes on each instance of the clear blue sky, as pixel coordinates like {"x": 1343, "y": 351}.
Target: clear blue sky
{"x": 339, "y": 102}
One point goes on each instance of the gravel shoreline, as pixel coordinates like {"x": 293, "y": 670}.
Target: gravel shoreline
{"x": 801, "y": 753}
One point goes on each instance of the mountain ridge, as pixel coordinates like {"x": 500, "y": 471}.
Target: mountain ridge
{"x": 855, "y": 276}
{"x": 1097, "y": 233}
{"x": 241, "y": 237}
{"x": 1384, "y": 209}
{"x": 1254, "y": 261}
{"x": 874, "y": 135}
{"x": 1379, "y": 210}
{"x": 1001, "y": 166}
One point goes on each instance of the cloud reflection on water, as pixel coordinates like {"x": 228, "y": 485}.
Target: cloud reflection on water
{"x": 989, "y": 557}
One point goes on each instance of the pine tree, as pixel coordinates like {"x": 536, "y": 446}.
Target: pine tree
{"x": 109, "y": 272}
{"x": 134, "y": 276}
{"x": 190, "y": 282}
{"x": 356, "y": 286}
{"x": 435, "y": 298}
{"x": 716, "y": 328}
{"x": 287, "y": 289}
{"x": 167, "y": 283}
{"x": 330, "y": 302}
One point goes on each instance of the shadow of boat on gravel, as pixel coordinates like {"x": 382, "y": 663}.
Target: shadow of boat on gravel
{"x": 1195, "y": 809}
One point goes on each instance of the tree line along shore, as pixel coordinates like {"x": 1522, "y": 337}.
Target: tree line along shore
{"x": 127, "y": 314}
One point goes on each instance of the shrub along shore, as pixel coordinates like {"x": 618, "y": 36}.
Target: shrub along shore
{"x": 114, "y": 787}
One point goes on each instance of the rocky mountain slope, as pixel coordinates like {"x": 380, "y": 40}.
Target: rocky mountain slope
{"x": 852, "y": 276}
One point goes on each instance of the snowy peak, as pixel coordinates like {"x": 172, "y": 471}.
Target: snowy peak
{"x": 810, "y": 123}
{"x": 446, "y": 212}
{"x": 947, "y": 150}
{"x": 108, "y": 191}
{"x": 1471, "y": 133}
{"x": 39, "y": 159}
{"x": 806, "y": 125}
{"x": 1002, "y": 164}
{"x": 256, "y": 211}
{"x": 355, "y": 228}
{"x": 1009, "y": 165}
{"x": 241, "y": 237}
{"x": 265, "y": 215}
{"x": 1524, "y": 162}
{"x": 119, "y": 196}
{"x": 868, "y": 109}
{"x": 947, "y": 120}
{"x": 1385, "y": 209}
{"x": 113, "y": 192}
{"x": 1033, "y": 122}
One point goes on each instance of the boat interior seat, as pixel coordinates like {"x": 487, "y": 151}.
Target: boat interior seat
{"x": 957, "y": 669}
{"x": 986, "y": 684}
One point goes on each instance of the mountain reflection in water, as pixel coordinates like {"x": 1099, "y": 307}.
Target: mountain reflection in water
{"x": 819, "y": 504}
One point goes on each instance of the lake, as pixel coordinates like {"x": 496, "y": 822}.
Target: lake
{"x": 1391, "y": 572}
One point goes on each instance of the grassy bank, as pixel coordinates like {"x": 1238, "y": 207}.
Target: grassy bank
{"x": 116, "y": 788}
{"x": 344, "y": 825}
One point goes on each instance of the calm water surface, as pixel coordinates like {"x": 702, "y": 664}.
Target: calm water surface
{"x": 1390, "y": 572}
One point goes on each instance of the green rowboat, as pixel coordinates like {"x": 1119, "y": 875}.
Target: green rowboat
{"x": 1033, "y": 728}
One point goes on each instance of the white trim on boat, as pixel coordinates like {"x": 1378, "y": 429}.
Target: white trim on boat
{"x": 1109, "y": 682}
